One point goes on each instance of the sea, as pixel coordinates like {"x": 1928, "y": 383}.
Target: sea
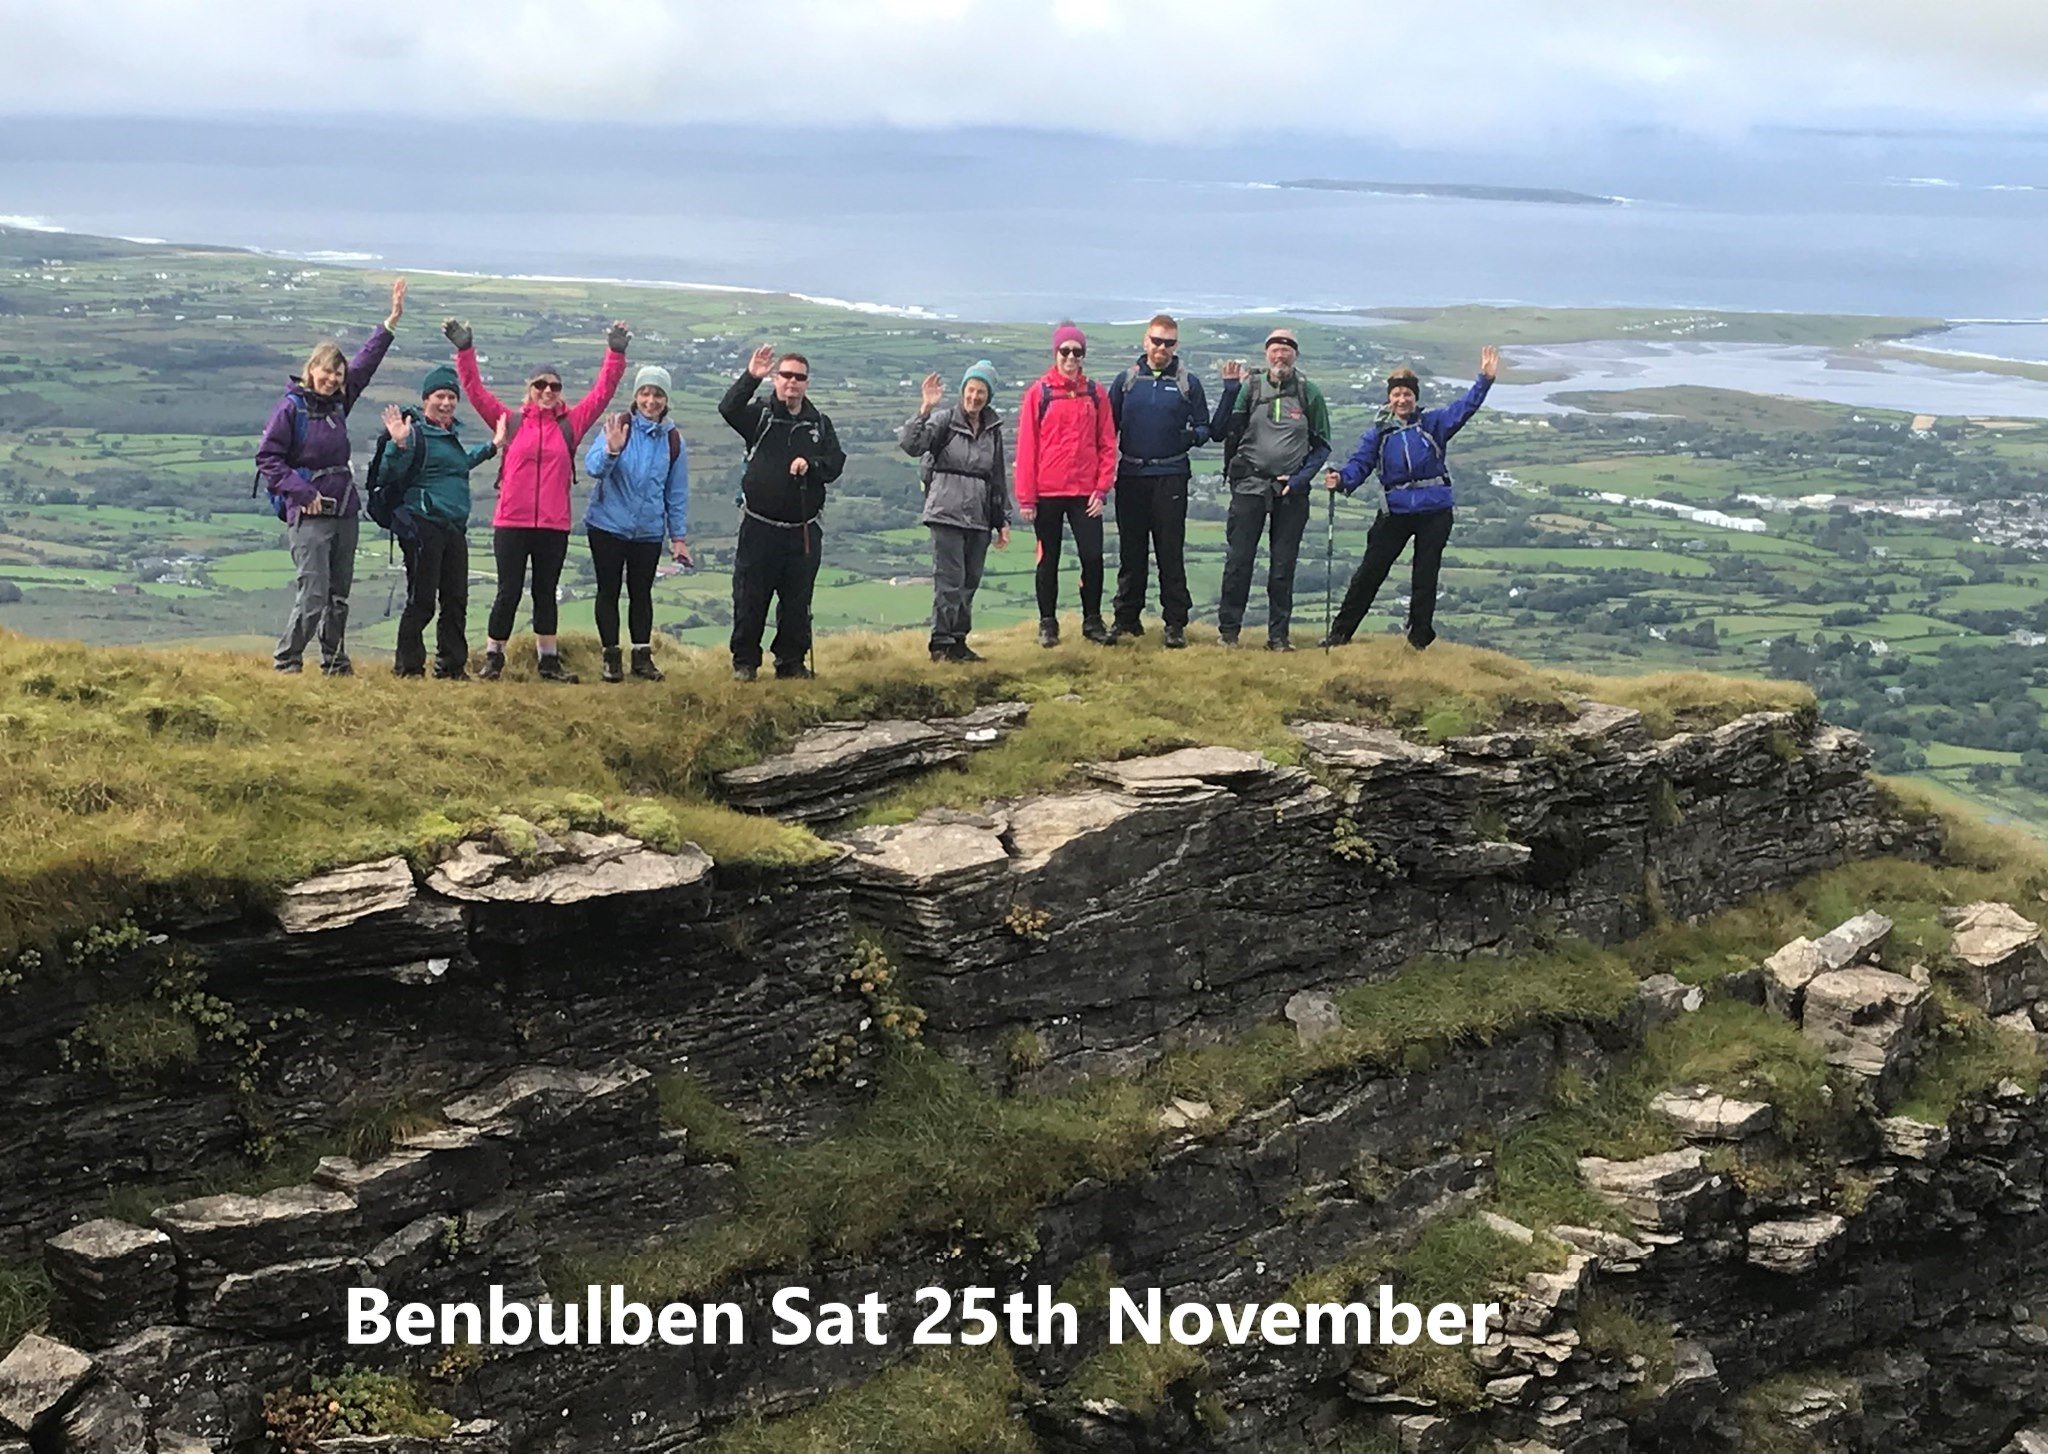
{"x": 1018, "y": 225}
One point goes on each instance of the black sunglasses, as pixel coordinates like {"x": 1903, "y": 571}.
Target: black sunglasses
{"x": 1158, "y": 342}
{"x": 793, "y": 378}
{"x": 544, "y": 385}
{"x": 1072, "y": 350}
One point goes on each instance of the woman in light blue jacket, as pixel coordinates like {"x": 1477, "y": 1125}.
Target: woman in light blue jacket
{"x": 639, "y": 498}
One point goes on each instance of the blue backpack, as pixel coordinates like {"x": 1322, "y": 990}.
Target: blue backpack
{"x": 279, "y": 503}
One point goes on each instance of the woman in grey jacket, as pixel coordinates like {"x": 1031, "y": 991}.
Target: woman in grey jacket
{"x": 966, "y": 499}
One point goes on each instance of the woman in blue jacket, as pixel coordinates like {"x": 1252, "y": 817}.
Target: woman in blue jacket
{"x": 1406, "y": 446}
{"x": 639, "y": 498}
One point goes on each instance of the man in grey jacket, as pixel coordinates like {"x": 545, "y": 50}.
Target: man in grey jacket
{"x": 966, "y": 499}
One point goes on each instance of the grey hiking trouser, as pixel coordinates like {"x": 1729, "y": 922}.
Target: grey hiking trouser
{"x": 324, "y": 550}
{"x": 958, "y": 554}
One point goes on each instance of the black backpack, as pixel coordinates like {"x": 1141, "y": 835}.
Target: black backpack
{"x": 384, "y": 492}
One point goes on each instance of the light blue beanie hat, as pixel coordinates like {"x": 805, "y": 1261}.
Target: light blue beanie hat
{"x": 983, "y": 369}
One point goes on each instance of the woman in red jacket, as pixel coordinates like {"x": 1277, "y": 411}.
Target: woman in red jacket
{"x": 1066, "y": 467}
{"x": 531, "y": 522}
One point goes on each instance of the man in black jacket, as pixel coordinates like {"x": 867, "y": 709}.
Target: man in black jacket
{"x": 792, "y": 455}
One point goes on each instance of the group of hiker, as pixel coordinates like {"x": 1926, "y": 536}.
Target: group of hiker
{"x": 1080, "y": 446}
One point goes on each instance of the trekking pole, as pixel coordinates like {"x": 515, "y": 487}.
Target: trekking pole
{"x": 1329, "y": 565}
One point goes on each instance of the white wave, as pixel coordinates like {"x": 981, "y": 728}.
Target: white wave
{"x": 2012, "y": 187}
{"x": 30, "y": 224}
{"x": 145, "y": 241}
{"x": 1920, "y": 182}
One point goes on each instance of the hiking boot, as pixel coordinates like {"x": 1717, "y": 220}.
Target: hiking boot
{"x": 1048, "y": 631}
{"x": 1120, "y": 629}
{"x": 288, "y": 668}
{"x": 1173, "y": 638}
{"x": 744, "y": 673}
{"x": 494, "y": 666}
{"x": 793, "y": 671}
{"x": 552, "y": 670}
{"x": 961, "y": 651}
{"x": 643, "y": 665}
{"x": 1227, "y": 638}
{"x": 398, "y": 670}
{"x": 614, "y": 665}
{"x": 456, "y": 673}
{"x": 1332, "y": 640}
{"x": 1093, "y": 630}
{"x": 341, "y": 668}
{"x": 1279, "y": 643}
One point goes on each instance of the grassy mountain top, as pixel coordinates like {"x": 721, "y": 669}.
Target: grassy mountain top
{"x": 138, "y": 776}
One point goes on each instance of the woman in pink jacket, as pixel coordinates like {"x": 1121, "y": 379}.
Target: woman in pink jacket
{"x": 1066, "y": 467}
{"x": 531, "y": 522}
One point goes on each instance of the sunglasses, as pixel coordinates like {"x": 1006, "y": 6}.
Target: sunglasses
{"x": 1068, "y": 350}
{"x": 1158, "y": 342}
{"x": 793, "y": 378}
{"x": 546, "y": 386}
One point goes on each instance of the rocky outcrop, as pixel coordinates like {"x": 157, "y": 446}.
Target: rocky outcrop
{"x": 1196, "y": 892}
{"x": 834, "y": 768}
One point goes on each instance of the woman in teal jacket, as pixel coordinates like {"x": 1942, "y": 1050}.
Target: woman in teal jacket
{"x": 639, "y": 499}
{"x": 437, "y": 545}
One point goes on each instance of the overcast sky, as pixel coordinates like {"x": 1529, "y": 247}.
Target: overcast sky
{"x": 1500, "y": 72}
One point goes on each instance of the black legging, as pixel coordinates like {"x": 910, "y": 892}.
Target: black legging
{"x": 614, "y": 557}
{"x": 514, "y": 546}
{"x": 1053, "y": 511}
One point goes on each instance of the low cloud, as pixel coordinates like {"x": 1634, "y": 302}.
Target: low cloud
{"x": 1501, "y": 74}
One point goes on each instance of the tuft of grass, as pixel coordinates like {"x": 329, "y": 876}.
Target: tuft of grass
{"x": 1968, "y": 1057}
{"x": 715, "y": 1133}
{"x": 24, "y": 1300}
{"x": 1608, "y": 1326}
{"x": 939, "y": 1404}
{"x": 376, "y": 1126}
{"x": 135, "y": 1038}
{"x": 1136, "y": 1374}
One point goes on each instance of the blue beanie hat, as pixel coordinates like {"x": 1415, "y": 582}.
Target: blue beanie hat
{"x": 983, "y": 369}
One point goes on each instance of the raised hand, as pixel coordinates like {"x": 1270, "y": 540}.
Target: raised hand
{"x": 457, "y": 333}
{"x": 762, "y": 361}
{"x": 617, "y": 430}
{"x": 397, "y": 425}
{"x": 617, "y": 337}
{"x": 934, "y": 390}
{"x": 1489, "y": 362}
{"x": 397, "y": 305}
{"x": 1232, "y": 371}
{"x": 502, "y": 432}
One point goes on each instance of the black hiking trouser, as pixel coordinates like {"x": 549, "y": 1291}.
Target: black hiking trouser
{"x": 778, "y": 561}
{"x": 1282, "y": 517}
{"x": 1052, "y": 514}
{"x": 515, "y": 546}
{"x": 1152, "y": 519}
{"x": 436, "y": 575}
{"x": 633, "y": 562}
{"x": 1429, "y": 529}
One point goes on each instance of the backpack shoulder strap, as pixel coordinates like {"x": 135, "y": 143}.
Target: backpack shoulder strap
{"x": 675, "y": 447}
{"x": 767, "y": 420}
{"x": 1044, "y": 399}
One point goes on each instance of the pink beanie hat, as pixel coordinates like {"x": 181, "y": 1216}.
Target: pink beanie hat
{"x": 1068, "y": 333}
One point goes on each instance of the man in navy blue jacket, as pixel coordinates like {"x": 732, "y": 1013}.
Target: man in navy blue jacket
{"x": 1160, "y": 415}
{"x": 1407, "y": 448}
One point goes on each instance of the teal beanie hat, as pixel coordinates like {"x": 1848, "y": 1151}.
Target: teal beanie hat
{"x": 440, "y": 376}
{"x": 985, "y": 370}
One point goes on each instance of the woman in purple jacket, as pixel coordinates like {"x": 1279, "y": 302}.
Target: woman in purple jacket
{"x": 304, "y": 460}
